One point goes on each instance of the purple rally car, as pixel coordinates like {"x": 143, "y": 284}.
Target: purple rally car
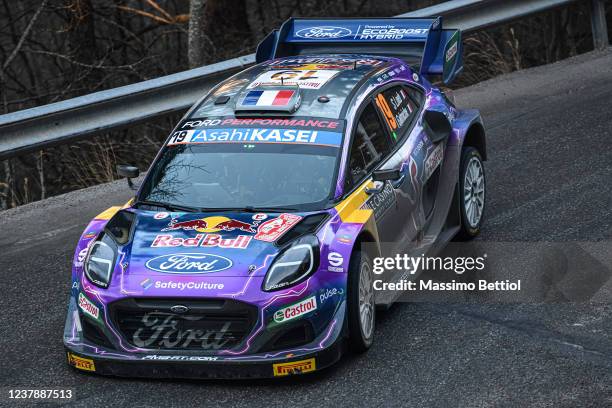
{"x": 247, "y": 250}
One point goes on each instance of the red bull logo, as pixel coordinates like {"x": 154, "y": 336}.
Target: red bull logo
{"x": 201, "y": 240}
{"x": 211, "y": 224}
{"x": 231, "y": 225}
{"x": 185, "y": 225}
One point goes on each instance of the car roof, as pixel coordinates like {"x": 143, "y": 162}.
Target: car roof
{"x": 333, "y": 76}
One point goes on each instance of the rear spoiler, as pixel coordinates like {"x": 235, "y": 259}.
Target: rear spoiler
{"x": 421, "y": 42}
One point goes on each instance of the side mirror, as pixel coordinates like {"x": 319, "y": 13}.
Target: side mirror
{"x": 384, "y": 176}
{"x": 436, "y": 125}
{"x": 128, "y": 172}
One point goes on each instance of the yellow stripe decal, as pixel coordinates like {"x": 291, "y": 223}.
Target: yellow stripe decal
{"x": 129, "y": 203}
{"x": 350, "y": 210}
{"x": 108, "y": 213}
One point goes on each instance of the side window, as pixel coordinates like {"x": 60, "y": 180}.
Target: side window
{"x": 399, "y": 106}
{"x": 371, "y": 143}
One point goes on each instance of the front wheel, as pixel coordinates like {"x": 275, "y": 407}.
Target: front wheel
{"x": 472, "y": 193}
{"x": 361, "y": 308}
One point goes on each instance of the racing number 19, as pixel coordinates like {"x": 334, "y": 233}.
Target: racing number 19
{"x": 386, "y": 109}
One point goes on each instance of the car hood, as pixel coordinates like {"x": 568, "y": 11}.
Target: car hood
{"x": 196, "y": 246}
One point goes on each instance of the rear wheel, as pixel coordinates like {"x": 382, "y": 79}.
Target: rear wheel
{"x": 361, "y": 309}
{"x": 472, "y": 193}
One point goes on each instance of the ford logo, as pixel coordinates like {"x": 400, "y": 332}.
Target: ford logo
{"x": 321, "y": 33}
{"x": 180, "y": 309}
{"x": 188, "y": 263}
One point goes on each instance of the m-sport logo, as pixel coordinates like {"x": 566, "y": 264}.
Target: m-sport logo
{"x": 323, "y": 32}
{"x": 189, "y": 263}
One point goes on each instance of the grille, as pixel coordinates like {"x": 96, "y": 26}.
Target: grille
{"x": 181, "y": 324}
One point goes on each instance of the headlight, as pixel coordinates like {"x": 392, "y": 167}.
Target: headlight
{"x": 293, "y": 265}
{"x": 100, "y": 261}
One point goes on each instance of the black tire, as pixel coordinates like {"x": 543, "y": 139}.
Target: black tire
{"x": 358, "y": 342}
{"x": 469, "y": 231}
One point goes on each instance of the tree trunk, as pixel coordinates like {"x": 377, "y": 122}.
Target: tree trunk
{"x": 196, "y": 53}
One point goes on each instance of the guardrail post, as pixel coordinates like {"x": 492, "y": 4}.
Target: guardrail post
{"x": 598, "y": 24}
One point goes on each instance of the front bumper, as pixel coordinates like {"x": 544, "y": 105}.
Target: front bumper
{"x": 170, "y": 367}
{"x": 323, "y": 351}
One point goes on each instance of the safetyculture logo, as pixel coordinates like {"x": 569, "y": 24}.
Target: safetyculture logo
{"x": 146, "y": 284}
{"x": 189, "y": 263}
{"x": 177, "y": 285}
{"x": 88, "y": 307}
{"x": 296, "y": 310}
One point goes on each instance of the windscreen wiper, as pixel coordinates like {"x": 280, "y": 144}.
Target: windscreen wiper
{"x": 167, "y": 206}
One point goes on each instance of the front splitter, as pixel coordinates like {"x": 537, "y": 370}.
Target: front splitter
{"x": 186, "y": 367}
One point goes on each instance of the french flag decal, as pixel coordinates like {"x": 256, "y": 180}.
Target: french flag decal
{"x": 268, "y": 98}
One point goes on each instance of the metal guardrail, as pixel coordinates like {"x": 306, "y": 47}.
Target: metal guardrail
{"x": 96, "y": 113}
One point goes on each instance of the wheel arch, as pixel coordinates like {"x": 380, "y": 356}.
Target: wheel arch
{"x": 475, "y": 137}
{"x": 363, "y": 237}
{"x": 368, "y": 234}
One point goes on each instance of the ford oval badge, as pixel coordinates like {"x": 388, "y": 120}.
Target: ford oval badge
{"x": 180, "y": 309}
{"x": 188, "y": 264}
{"x": 323, "y": 33}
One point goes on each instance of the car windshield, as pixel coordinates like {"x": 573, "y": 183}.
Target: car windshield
{"x": 217, "y": 174}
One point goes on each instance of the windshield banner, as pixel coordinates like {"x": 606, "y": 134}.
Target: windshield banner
{"x": 310, "y": 131}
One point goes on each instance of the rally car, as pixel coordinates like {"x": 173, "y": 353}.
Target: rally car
{"x": 247, "y": 250}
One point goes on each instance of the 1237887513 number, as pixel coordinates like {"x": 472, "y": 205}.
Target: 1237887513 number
{"x": 39, "y": 394}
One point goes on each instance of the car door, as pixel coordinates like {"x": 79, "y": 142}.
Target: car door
{"x": 399, "y": 106}
{"x": 371, "y": 144}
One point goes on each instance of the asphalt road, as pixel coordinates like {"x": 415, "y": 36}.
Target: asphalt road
{"x": 549, "y": 178}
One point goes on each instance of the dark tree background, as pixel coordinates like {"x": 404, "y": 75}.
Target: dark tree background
{"x": 51, "y": 50}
